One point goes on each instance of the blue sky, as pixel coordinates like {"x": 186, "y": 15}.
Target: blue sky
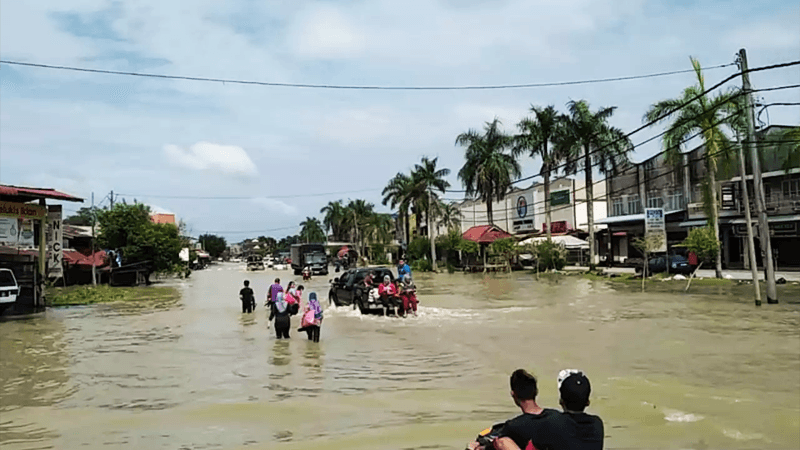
{"x": 152, "y": 138}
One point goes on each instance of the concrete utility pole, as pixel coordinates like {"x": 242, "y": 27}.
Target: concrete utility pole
{"x": 111, "y": 197}
{"x": 94, "y": 274}
{"x": 758, "y": 183}
{"x": 751, "y": 246}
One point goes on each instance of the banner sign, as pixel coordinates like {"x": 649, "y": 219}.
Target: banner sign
{"x": 55, "y": 243}
{"x": 559, "y": 198}
{"x": 9, "y": 231}
{"x": 26, "y": 233}
{"x": 22, "y": 210}
{"x": 654, "y": 223}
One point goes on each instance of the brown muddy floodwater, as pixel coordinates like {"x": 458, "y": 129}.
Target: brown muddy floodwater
{"x": 701, "y": 370}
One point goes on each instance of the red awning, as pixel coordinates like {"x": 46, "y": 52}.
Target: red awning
{"x": 485, "y": 234}
{"x": 76, "y": 258}
{"x": 28, "y": 194}
{"x": 620, "y": 233}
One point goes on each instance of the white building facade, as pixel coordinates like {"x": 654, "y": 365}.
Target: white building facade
{"x": 522, "y": 211}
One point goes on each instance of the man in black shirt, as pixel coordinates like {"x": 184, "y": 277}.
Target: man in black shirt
{"x": 585, "y": 431}
{"x": 247, "y": 297}
{"x": 534, "y": 428}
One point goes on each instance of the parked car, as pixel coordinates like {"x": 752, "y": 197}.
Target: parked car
{"x": 657, "y": 264}
{"x": 9, "y": 289}
{"x": 349, "y": 289}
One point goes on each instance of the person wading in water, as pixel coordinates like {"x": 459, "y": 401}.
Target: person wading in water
{"x": 279, "y": 310}
{"x": 247, "y": 297}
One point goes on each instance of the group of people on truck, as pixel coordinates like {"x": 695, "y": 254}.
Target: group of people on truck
{"x": 401, "y": 294}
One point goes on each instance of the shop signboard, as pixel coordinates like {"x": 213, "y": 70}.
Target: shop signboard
{"x": 55, "y": 242}
{"x": 654, "y": 223}
{"x": 559, "y": 198}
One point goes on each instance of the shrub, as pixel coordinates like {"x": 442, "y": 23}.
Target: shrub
{"x": 549, "y": 255}
{"x": 419, "y": 248}
{"x": 421, "y": 265}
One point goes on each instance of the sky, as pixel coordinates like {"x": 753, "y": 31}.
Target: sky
{"x": 284, "y": 153}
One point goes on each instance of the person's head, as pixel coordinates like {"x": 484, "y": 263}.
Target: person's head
{"x": 279, "y": 297}
{"x": 291, "y": 285}
{"x": 246, "y": 283}
{"x": 300, "y": 289}
{"x": 402, "y": 262}
{"x": 277, "y": 281}
{"x": 523, "y": 386}
{"x": 312, "y": 297}
{"x": 574, "y": 389}
{"x": 407, "y": 278}
{"x": 387, "y": 279}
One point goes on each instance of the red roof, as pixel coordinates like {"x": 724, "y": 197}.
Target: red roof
{"x": 36, "y": 193}
{"x": 485, "y": 234}
{"x": 76, "y": 258}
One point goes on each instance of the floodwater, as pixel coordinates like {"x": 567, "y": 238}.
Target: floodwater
{"x": 701, "y": 370}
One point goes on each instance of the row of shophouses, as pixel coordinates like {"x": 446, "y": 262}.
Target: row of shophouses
{"x": 620, "y": 201}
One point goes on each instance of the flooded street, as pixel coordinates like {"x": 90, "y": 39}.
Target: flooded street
{"x": 701, "y": 370}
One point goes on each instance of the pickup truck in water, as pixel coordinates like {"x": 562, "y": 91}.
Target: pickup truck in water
{"x": 349, "y": 289}
{"x": 309, "y": 255}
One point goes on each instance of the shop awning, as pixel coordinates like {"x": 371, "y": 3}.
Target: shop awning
{"x": 26, "y": 194}
{"x": 774, "y": 219}
{"x": 566, "y": 241}
{"x": 693, "y": 223}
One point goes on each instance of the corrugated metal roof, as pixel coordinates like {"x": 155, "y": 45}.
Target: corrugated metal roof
{"x": 36, "y": 193}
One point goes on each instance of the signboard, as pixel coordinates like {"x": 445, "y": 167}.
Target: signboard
{"x": 559, "y": 226}
{"x": 22, "y": 210}
{"x": 559, "y": 198}
{"x": 775, "y": 229}
{"x": 654, "y": 223}
{"x": 55, "y": 243}
{"x": 522, "y": 207}
{"x": 728, "y": 201}
{"x": 9, "y": 231}
{"x": 25, "y": 233}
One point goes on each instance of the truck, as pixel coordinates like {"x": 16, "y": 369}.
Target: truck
{"x": 311, "y": 255}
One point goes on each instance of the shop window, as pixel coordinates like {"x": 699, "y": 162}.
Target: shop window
{"x": 634, "y": 204}
{"x": 617, "y": 207}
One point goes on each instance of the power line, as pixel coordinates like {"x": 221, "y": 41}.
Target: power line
{"x": 354, "y": 87}
{"x": 200, "y": 197}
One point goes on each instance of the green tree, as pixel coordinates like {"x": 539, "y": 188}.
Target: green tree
{"x": 311, "y": 230}
{"x": 128, "y": 228}
{"x": 449, "y": 216}
{"x": 588, "y": 140}
{"x": 357, "y": 216}
{"x": 429, "y": 181}
{"x": 213, "y": 244}
{"x": 399, "y": 193}
{"x": 702, "y": 242}
{"x": 334, "y": 219}
{"x": 83, "y": 217}
{"x": 504, "y": 248}
{"x": 488, "y": 170}
{"x": 703, "y": 114}
{"x": 648, "y": 244}
{"x": 535, "y": 138}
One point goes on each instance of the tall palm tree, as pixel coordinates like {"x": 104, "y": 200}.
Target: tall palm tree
{"x": 705, "y": 115}
{"x": 428, "y": 180}
{"x": 536, "y": 135}
{"x": 449, "y": 215}
{"x": 588, "y": 140}
{"x": 399, "y": 193}
{"x": 334, "y": 214}
{"x": 488, "y": 170}
{"x": 311, "y": 230}
{"x": 356, "y": 218}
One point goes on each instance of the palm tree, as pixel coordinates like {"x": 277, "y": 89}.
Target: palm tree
{"x": 334, "y": 214}
{"x": 357, "y": 215}
{"x": 489, "y": 170}
{"x": 311, "y": 230}
{"x": 587, "y": 140}
{"x": 399, "y": 193}
{"x": 704, "y": 115}
{"x": 536, "y": 135}
{"x": 427, "y": 180}
{"x": 449, "y": 215}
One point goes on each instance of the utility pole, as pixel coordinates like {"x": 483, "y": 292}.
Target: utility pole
{"x": 94, "y": 216}
{"x": 758, "y": 183}
{"x": 111, "y": 197}
{"x": 430, "y": 231}
{"x": 751, "y": 246}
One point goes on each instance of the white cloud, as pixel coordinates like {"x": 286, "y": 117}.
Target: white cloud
{"x": 273, "y": 205}
{"x": 207, "y": 156}
{"x": 325, "y": 33}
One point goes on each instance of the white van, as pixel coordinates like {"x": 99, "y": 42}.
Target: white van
{"x": 9, "y": 289}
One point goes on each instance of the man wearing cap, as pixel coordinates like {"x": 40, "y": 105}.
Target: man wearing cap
{"x": 585, "y": 430}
